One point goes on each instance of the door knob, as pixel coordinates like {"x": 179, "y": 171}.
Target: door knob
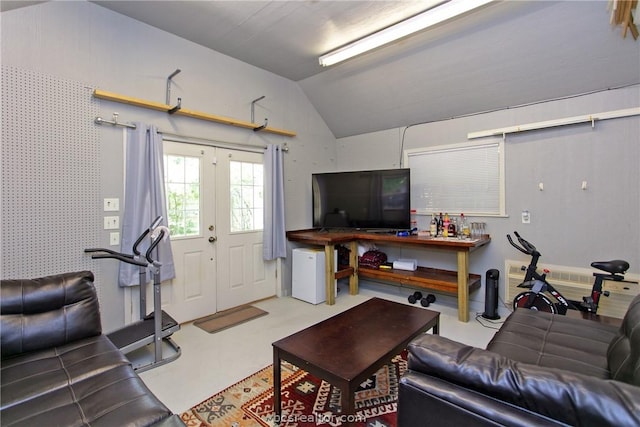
{"x": 212, "y": 239}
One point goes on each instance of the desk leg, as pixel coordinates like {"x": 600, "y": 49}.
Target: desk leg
{"x": 329, "y": 274}
{"x": 463, "y": 286}
{"x": 277, "y": 405}
{"x": 353, "y": 263}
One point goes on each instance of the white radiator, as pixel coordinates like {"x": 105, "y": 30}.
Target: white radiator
{"x": 574, "y": 283}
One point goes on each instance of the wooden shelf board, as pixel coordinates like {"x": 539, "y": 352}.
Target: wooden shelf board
{"x": 158, "y": 106}
{"x": 429, "y": 278}
{"x": 343, "y": 271}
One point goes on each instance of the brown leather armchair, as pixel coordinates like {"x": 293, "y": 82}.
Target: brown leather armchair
{"x": 58, "y": 368}
{"x": 539, "y": 369}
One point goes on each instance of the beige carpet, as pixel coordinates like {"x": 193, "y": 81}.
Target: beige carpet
{"x": 228, "y": 318}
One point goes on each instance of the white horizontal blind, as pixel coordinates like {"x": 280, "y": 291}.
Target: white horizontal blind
{"x": 467, "y": 178}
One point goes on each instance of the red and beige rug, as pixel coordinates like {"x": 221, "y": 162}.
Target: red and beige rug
{"x": 306, "y": 400}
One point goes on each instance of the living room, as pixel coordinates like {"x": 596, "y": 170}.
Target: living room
{"x": 53, "y": 202}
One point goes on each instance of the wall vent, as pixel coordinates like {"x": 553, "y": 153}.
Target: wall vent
{"x": 574, "y": 283}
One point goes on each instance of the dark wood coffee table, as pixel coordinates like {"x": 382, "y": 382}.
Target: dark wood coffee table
{"x": 350, "y": 347}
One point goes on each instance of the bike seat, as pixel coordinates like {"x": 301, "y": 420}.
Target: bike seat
{"x": 613, "y": 267}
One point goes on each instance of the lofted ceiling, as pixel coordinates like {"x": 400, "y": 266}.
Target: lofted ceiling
{"x": 506, "y": 54}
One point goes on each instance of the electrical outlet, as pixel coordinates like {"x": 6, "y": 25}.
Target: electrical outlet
{"x": 111, "y": 222}
{"x": 114, "y": 238}
{"x": 526, "y": 217}
{"x": 111, "y": 205}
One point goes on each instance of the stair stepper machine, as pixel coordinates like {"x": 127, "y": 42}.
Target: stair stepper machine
{"x": 135, "y": 339}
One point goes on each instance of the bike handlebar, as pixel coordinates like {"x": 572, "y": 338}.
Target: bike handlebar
{"x": 526, "y": 247}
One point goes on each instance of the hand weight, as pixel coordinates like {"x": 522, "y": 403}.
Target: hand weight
{"x": 416, "y": 296}
{"x": 427, "y": 300}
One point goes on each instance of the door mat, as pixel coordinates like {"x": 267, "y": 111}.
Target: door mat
{"x": 228, "y": 318}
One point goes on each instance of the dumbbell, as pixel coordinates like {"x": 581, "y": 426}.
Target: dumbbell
{"x": 417, "y": 296}
{"x": 427, "y": 300}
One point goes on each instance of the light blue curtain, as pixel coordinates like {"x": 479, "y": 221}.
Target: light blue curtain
{"x": 144, "y": 200}
{"x": 275, "y": 240}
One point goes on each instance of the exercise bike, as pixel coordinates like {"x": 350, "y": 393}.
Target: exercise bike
{"x": 152, "y": 328}
{"x": 535, "y": 299}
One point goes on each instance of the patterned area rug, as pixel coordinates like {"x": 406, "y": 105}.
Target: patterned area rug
{"x": 306, "y": 400}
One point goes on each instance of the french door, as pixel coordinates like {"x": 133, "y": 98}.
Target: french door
{"x": 214, "y": 199}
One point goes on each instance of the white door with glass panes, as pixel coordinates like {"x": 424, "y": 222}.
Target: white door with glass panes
{"x": 243, "y": 276}
{"x": 190, "y": 187}
{"x": 215, "y": 210}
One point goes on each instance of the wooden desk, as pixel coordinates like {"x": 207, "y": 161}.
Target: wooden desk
{"x": 453, "y": 282}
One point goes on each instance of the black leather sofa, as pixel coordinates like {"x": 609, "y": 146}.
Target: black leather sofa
{"x": 539, "y": 369}
{"x": 57, "y": 367}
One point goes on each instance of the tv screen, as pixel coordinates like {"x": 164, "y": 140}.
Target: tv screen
{"x": 377, "y": 199}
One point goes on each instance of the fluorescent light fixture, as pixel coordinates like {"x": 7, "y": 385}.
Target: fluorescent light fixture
{"x": 429, "y": 18}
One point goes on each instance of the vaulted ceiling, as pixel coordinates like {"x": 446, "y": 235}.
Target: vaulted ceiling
{"x": 506, "y": 54}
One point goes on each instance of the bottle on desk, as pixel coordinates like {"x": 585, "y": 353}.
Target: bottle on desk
{"x": 433, "y": 226}
{"x": 414, "y": 219}
{"x": 464, "y": 227}
{"x": 453, "y": 229}
{"x": 445, "y": 225}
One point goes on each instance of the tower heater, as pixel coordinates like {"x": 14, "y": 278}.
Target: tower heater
{"x": 491, "y": 295}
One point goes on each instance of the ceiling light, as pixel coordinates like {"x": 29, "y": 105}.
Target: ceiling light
{"x": 402, "y": 29}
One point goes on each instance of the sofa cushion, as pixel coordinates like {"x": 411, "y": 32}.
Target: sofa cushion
{"x": 623, "y": 354}
{"x": 554, "y": 341}
{"x": 115, "y": 397}
{"x": 562, "y": 395}
{"x": 88, "y": 382}
{"x": 30, "y": 375}
{"x": 48, "y": 311}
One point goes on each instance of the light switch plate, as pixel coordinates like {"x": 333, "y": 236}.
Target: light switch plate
{"x": 111, "y": 205}
{"x": 111, "y": 222}
{"x": 114, "y": 238}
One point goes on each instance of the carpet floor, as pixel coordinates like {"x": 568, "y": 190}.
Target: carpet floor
{"x": 306, "y": 400}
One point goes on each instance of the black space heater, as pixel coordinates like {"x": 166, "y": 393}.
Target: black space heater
{"x": 491, "y": 295}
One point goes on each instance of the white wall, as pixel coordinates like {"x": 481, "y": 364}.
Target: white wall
{"x": 569, "y": 226}
{"x": 83, "y": 42}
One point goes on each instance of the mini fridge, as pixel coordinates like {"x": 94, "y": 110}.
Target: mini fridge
{"x": 308, "y": 275}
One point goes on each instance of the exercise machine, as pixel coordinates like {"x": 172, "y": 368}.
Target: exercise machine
{"x": 535, "y": 298}
{"x": 151, "y": 330}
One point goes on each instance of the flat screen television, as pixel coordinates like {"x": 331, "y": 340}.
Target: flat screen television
{"x": 369, "y": 200}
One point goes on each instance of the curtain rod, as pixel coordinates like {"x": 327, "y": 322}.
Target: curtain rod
{"x": 196, "y": 140}
{"x": 100, "y": 121}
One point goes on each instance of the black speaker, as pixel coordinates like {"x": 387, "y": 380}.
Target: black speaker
{"x": 491, "y": 295}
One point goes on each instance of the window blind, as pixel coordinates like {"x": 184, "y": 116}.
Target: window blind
{"x": 460, "y": 178}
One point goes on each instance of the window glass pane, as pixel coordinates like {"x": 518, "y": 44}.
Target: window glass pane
{"x": 258, "y": 203}
{"x": 258, "y": 175}
{"x": 235, "y": 173}
{"x": 192, "y": 170}
{"x": 246, "y": 194}
{"x": 247, "y": 174}
{"x": 175, "y": 172}
{"x": 258, "y": 217}
{"x": 247, "y": 197}
{"x": 182, "y": 177}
